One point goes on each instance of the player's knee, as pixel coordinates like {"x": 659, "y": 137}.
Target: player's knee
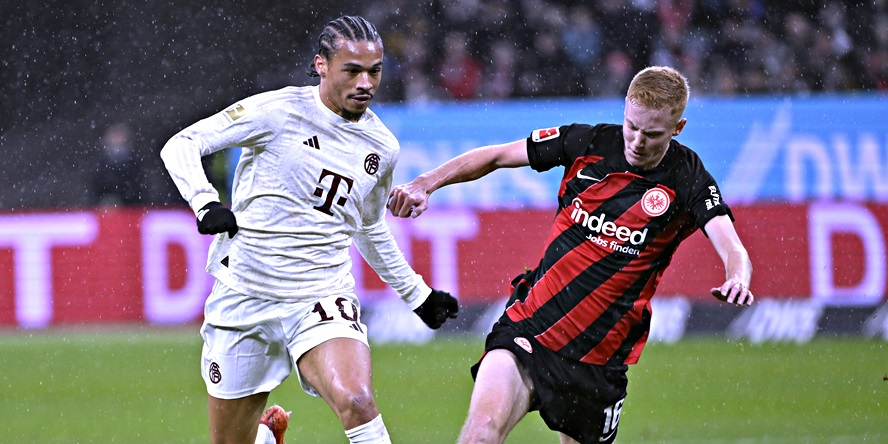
{"x": 356, "y": 407}
{"x": 482, "y": 428}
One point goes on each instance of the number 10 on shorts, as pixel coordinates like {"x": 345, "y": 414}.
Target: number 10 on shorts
{"x": 343, "y": 307}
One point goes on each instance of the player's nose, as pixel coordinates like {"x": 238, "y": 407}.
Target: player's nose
{"x": 364, "y": 82}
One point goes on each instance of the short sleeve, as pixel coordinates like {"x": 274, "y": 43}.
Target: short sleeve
{"x": 558, "y": 146}
{"x": 705, "y": 200}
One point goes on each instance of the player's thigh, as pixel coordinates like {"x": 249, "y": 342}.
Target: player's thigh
{"x": 235, "y": 420}
{"x": 316, "y": 347}
{"x": 339, "y": 364}
{"x": 503, "y": 389}
{"x": 564, "y": 439}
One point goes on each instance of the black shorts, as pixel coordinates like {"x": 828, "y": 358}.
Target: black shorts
{"x": 580, "y": 400}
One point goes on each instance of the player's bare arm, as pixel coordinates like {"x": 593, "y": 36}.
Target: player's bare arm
{"x": 738, "y": 268}
{"x": 412, "y": 199}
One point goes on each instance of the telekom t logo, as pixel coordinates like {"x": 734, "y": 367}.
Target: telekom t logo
{"x": 334, "y": 187}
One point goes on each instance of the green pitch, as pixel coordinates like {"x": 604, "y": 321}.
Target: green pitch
{"x": 140, "y": 385}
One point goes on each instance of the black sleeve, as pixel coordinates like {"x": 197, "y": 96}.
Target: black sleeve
{"x": 559, "y": 146}
{"x": 705, "y": 200}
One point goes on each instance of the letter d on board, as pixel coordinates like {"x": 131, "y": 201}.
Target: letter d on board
{"x": 165, "y": 305}
{"x": 827, "y": 219}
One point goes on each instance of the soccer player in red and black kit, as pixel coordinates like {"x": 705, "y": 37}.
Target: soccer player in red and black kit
{"x": 629, "y": 196}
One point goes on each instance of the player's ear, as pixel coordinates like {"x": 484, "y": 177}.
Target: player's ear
{"x": 320, "y": 64}
{"x": 679, "y": 126}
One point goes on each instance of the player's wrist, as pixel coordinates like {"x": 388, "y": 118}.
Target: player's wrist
{"x": 422, "y": 292}
{"x": 201, "y": 200}
{"x": 427, "y": 183}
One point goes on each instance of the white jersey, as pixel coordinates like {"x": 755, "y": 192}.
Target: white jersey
{"x": 307, "y": 183}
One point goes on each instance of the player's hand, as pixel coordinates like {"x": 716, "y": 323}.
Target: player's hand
{"x": 437, "y": 308}
{"x": 408, "y": 200}
{"x": 733, "y": 292}
{"x": 213, "y": 218}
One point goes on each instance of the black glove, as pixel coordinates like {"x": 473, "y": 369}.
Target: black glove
{"x": 437, "y": 308}
{"x": 213, "y": 218}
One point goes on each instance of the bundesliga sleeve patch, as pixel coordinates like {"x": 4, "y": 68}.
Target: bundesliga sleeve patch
{"x": 542, "y": 135}
{"x": 229, "y": 115}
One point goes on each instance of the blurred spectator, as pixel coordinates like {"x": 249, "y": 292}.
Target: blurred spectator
{"x": 674, "y": 15}
{"x": 459, "y": 72}
{"x": 799, "y": 36}
{"x": 628, "y": 28}
{"x": 418, "y": 87}
{"x": 117, "y": 178}
{"x": 546, "y": 70}
{"x": 755, "y": 80}
{"x": 849, "y": 73}
{"x": 722, "y": 81}
{"x": 737, "y": 33}
{"x": 618, "y": 72}
{"x": 877, "y": 58}
{"x": 581, "y": 38}
{"x": 403, "y": 23}
{"x": 502, "y": 73}
{"x": 495, "y": 22}
{"x": 680, "y": 52}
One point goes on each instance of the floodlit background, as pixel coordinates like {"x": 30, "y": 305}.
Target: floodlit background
{"x": 101, "y": 269}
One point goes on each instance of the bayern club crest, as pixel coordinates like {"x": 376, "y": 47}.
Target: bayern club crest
{"x": 371, "y": 164}
{"x": 655, "y": 202}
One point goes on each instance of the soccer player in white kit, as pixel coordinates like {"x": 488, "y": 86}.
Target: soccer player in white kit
{"x": 314, "y": 174}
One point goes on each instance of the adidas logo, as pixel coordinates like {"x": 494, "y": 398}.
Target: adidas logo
{"x": 313, "y": 142}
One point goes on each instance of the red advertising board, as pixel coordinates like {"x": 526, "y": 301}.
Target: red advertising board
{"x": 86, "y": 266}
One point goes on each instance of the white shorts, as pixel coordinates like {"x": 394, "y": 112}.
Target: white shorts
{"x": 252, "y": 345}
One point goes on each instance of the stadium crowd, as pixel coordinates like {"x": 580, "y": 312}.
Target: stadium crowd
{"x": 82, "y": 67}
{"x": 496, "y": 49}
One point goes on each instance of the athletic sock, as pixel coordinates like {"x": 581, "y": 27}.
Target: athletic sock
{"x": 373, "y": 432}
{"x": 264, "y": 436}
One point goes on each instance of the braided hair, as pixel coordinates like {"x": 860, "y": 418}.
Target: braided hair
{"x": 348, "y": 28}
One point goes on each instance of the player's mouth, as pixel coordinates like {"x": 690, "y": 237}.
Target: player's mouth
{"x": 635, "y": 157}
{"x": 361, "y": 99}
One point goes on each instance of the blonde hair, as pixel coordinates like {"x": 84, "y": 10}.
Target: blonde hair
{"x": 660, "y": 87}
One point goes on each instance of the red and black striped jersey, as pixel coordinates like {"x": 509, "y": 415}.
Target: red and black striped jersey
{"x": 615, "y": 231}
